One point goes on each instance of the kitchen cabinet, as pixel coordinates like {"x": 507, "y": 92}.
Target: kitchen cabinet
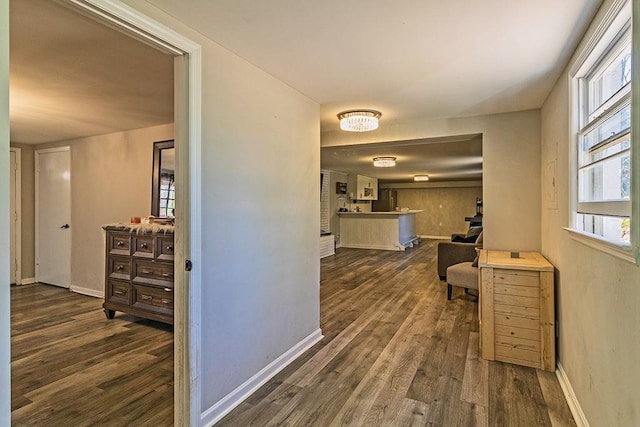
{"x": 363, "y": 187}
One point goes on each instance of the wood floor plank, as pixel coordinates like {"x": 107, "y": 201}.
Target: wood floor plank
{"x": 397, "y": 353}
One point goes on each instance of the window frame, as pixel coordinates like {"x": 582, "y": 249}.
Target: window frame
{"x": 606, "y": 40}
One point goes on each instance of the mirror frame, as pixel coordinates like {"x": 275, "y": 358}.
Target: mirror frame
{"x": 155, "y": 175}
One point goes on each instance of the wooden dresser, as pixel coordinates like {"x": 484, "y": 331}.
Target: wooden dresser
{"x": 517, "y": 317}
{"x": 139, "y": 272}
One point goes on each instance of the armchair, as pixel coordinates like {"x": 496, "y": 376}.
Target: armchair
{"x": 450, "y": 253}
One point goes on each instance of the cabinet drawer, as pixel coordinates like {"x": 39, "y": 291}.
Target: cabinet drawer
{"x": 119, "y": 267}
{"x": 143, "y": 246}
{"x": 166, "y": 248}
{"x": 153, "y": 299}
{"x": 119, "y": 292}
{"x": 153, "y": 273}
{"x": 119, "y": 243}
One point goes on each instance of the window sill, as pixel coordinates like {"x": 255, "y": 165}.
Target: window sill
{"x": 618, "y": 251}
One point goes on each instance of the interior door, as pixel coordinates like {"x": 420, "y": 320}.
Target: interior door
{"x": 53, "y": 216}
{"x": 12, "y": 221}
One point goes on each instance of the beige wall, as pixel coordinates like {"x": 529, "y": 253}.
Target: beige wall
{"x": 27, "y": 204}
{"x": 5, "y": 352}
{"x": 260, "y": 212}
{"x": 110, "y": 182}
{"x": 598, "y": 295}
{"x": 444, "y": 209}
{"x": 511, "y": 168}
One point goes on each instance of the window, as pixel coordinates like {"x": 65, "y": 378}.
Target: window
{"x": 602, "y": 205}
{"x": 167, "y": 195}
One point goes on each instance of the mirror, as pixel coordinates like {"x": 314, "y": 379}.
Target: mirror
{"x": 163, "y": 190}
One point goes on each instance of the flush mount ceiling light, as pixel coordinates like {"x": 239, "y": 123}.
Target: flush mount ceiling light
{"x": 359, "y": 120}
{"x": 421, "y": 177}
{"x": 384, "y": 162}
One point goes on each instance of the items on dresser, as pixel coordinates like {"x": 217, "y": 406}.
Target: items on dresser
{"x": 517, "y": 320}
{"x": 139, "y": 271}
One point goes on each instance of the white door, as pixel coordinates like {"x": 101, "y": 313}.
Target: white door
{"x": 12, "y": 213}
{"x": 53, "y": 216}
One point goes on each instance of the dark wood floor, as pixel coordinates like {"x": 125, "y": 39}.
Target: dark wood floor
{"x": 70, "y": 366}
{"x": 397, "y": 353}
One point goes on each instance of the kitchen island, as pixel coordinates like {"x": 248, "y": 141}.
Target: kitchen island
{"x": 394, "y": 230}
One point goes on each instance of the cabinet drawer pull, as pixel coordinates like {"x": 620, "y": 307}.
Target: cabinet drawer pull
{"x": 166, "y": 275}
{"x": 166, "y": 301}
{"x": 119, "y": 292}
{"x": 119, "y": 267}
{"x": 147, "y": 271}
{"x": 143, "y": 245}
{"x": 146, "y": 297}
{"x": 168, "y": 290}
{"x": 120, "y": 243}
{"x": 170, "y": 248}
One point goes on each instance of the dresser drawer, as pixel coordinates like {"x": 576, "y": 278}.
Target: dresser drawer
{"x": 119, "y": 267}
{"x": 165, "y": 248}
{"x": 118, "y": 292}
{"x": 119, "y": 243}
{"x": 143, "y": 246}
{"x": 153, "y": 273}
{"x": 153, "y": 299}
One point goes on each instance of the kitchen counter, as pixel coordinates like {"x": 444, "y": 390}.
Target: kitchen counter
{"x": 381, "y": 213}
{"x": 394, "y": 230}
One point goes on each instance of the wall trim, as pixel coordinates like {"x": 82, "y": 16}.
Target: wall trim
{"x": 17, "y": 220}
{"x": 87, "y": 291}
{"x": 570, "y": 396}
{"x": 225, "y": 405}
{"x": 28, "y": 281}
{"x": 435, "y": 237}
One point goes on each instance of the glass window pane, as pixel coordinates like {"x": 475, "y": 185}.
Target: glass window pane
{"x": 614, "y": 229}
{"x": 615, "y": 74}
{"x": 591, "y": 147}
{"x": 606, "y": 181}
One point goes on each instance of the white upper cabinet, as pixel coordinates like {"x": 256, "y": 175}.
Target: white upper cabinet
{"x": 366, "y": 187}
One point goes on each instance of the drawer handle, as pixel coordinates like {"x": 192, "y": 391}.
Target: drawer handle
{"x": 168, "y": 290}
{"x": 120, "y": 243}
{"x": 166, "y": 301}
{"x": 147, "y": 271}
{"x": 146, "y": 297}
{"x": 166, "y": 275}
{"x": 170, "y": 248}
{"x": 143, "y": 245}
{"x": 119, "y": 292}
{"x": 119, "y": 267}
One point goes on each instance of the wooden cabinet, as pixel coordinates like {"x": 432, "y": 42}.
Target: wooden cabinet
{"x": 366, "y": 187}
{"x": 139, "y": 273}
{"x": 516, "y": 311}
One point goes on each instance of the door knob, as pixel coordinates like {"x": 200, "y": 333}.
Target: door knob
{"x": 64, "y": 226}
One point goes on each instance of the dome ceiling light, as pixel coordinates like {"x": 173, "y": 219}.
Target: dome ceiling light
{"x": 359, "y": 120}
{"x": 384, "y": 162}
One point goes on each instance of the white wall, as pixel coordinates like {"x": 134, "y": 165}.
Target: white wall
{"x": 511, "y": 169}
{"x": 110, "y": 182}
{"x": 5, "y": 350}
{"x": 260, "y": 214}
{"x": 598, "y": 295}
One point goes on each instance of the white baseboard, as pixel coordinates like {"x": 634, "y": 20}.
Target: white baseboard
{"x": 221, "y": 408}
{"x": 28, "y": 281}
{"x": 87, "y": 291}
{"x": 436, "y": 237}
{"x": 572, "y": 400}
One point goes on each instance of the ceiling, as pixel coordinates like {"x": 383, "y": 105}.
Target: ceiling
{"x": 443, "y": 159}
{"x": 72, "y": 77}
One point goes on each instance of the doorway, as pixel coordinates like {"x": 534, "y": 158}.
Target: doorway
{"x": 53, "y": 216}
{"x": 15, "y": 209}
{"x": 187, "y": 89}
